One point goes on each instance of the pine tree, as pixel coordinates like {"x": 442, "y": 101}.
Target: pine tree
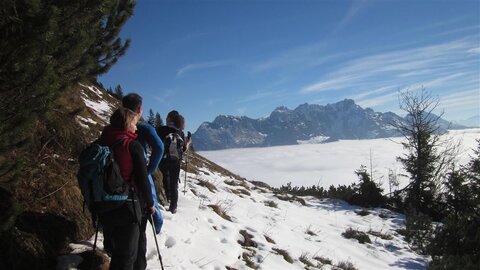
{"x": 423, "y": 161}
{"x": 151, "y": 118}
{"x": 158, "y": 121}
{"x": 455, "y": 243}
{"x": 118, "y": 92}
{"x": 366, "y": 193}
{"x": 46, "y": 47}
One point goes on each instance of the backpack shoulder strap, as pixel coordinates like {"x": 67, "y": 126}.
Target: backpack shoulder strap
{"x": 117, "y": 142}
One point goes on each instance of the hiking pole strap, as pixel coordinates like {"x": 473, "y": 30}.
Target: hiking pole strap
{"x": 156, "y": 241}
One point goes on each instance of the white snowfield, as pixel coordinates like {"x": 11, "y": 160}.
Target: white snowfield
{"x": 198, "y": 238}
{"x": 326, "y": 164}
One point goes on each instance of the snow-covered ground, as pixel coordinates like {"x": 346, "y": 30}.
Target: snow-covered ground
{"x": 198, "y": 238}
{"x": 324, "y": 164}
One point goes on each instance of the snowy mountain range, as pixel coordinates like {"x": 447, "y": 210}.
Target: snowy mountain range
{"x": 308, "y": 123}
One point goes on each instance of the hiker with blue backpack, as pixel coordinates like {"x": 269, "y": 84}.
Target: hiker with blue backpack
{"x": 121, "y": 207}
{"x": 148, "y": 138}
{"x": 175, "y": 145}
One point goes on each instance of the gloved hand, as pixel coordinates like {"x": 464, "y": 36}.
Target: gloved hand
{"x": 151, "y": 210}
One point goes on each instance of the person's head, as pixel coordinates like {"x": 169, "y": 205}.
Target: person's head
{"x": 133, "y": 102}
{"x": 181, "y": 124}
{"x": 178, "y": 121}
{"x": 125, "y": 119}
{"x": 171, "y": 116}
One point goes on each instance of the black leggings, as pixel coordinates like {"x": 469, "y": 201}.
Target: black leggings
{"x": 171, "y": 172}
{"x": 121, "y": 232}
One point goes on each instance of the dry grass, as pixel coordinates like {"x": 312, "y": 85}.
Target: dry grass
{"x": 381, "y": 235}
{"x": 290, "y": 198}
{"x": 247, "y": 257}
{"x": 261, "y": 184}
{"x": 220, "y": 211}
{"x": 247, "y": 239}
{"x": 305, "y": 260}
{"x": 271, "y": 204}
{"x": 345, "y": 265}
{"x": 355, "y": 234}
{"x": 323, "y": 260}
{"x": 240, "y": 191}
{"x": 269, "y": 239}
{"x": 310, "y": 231}
{"x": 231, "y": 182}
{"x": 208, "y": 185}
{"x": 284, "y": 253}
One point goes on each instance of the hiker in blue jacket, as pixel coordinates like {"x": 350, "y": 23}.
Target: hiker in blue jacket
{"x": 147, "y": 136}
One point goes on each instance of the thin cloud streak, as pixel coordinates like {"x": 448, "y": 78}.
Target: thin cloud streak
{"x": 191, "y": 67}
{"x": 352, "y": 11}
{"x": 398, "y": 67}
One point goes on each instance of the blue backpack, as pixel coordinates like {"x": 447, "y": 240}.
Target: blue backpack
{"x": 99, "y": 178}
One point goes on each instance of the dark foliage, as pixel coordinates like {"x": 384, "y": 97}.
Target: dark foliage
{"x": 366, "y": 193}
{"x": 47, "y": 46}
{"x": 456, "y": 242}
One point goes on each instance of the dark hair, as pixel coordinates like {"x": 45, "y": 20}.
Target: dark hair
{"x": 171, "y": 116}
{"x": 122, "y": 117}
{"x": 132, "y": 101}
{"x": 178, "y": 121}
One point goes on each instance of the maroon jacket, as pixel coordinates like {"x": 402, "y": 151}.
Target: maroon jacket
{"x": 130, "y": 157}
{"x": 121, "y": 152}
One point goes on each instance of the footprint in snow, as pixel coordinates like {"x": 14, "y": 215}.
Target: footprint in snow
{"x": 151, "y": 254}
{"x": 210, "y": 220}
{"x": 224, "y": 241}
{"x": 170, "y": 242}
{"x": 188, "y": 241}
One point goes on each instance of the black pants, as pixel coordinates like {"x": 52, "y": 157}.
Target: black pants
{"x": 171, "y": 172}
{"x": 141, "y": 262}
{"x": 121, "y": 232}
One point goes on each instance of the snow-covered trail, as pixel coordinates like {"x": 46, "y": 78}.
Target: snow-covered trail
{"x": 198, "y": 238}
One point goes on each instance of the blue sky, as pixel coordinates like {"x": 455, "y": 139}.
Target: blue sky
{"x": 206, "y": 58}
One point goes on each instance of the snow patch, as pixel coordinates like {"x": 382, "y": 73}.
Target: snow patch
{"x": 314, "y": 140}
{"x": 94, "y": 89}
{"x": 101, "y": 108}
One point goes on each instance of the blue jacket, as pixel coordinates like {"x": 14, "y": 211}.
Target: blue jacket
{"x": 147, "y": 136}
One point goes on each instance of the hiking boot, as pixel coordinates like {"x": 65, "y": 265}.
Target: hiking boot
{"x": 173, "y": 210}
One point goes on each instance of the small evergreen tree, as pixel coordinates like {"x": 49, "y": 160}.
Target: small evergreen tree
{"x": 455, "y": 243}
{"x": 366, "y": 193}
{"x": 118, "y": 92}
{"x": 423, "y": 161}
{"x": 158, "y": 121}
{"x": 151, "y": 118}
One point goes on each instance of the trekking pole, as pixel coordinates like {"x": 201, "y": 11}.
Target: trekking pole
{"x": 92, "y": 263}
{"x": 156, "y": 242}
{"x": 186, "y": 167}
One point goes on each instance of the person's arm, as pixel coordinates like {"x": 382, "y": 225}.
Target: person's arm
{"x": 188, "y": 140}
{"x": 140, "y": 173}
{"x": 157, "y": 148}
